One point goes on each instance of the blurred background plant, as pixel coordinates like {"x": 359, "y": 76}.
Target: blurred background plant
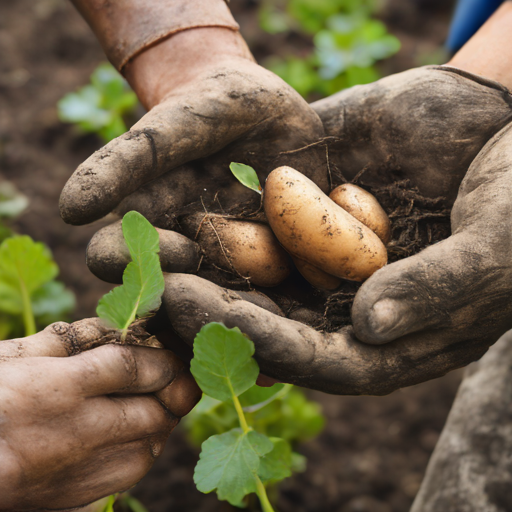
{"x": 347, "y": 42}
{"x": 101, "y": 106}
{"x": 30, "y": 297}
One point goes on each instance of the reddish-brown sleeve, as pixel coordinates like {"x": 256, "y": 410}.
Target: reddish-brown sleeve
{"x": 125, "y": 28}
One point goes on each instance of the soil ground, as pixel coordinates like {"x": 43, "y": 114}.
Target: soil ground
{"x": 373, "y": 452}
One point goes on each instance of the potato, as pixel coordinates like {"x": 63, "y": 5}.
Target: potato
{"x": 249, "y": 249}
{"x": 364, "y": 207}
{"x": 316, "y": 277}
{"x": 312, "y": 227}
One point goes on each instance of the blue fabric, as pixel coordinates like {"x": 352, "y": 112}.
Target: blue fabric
{"x": 469, "y": 16}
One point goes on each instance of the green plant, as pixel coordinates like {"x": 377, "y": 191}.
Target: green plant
{"x": 100, "y": 106}
{"x": 346, "y": 43}
{"x": 30, "y": 297}
{"x": 143, "y": 280}
{"x": 246, "y": 431}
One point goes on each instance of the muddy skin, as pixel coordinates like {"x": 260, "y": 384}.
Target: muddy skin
{"x": 107, "y": 254}
{"x": 455, "y": 298}
{"x": 252, "y": 103}
{"x": 447, "y": 303}
{"x": 470, "y": 469}
{"x": 84, "y": 415}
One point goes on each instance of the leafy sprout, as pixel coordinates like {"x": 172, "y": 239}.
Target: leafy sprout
{"x": 28, "y": 290}
{"x": 246, "y": 175}
{"x": 143, "y": 280}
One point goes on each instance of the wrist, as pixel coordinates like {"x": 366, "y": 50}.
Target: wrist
{"x": 486, "y": 53}
{"x": 178, "y": 60}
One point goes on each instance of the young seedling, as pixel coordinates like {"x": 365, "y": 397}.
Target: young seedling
{"x": 240, "y": 461}
{"x": 143, "y": 280}
{"x": 246, "y": 175}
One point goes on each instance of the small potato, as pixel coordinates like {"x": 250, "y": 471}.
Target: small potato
{"x": 316, "y": 277}
{"x": 312, "y": 227}
{"x": 364, "y": 207}
{"x": 248, "y": 248}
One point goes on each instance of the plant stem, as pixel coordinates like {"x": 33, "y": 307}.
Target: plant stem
{"x": 240, "y": 412}
{"x": 260, "y": 488}
{"x": 28, "y": 315}
{"x": 262, "y": 495}
{"x": 109, "y": 506}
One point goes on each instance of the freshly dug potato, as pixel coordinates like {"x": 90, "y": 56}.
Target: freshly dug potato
{"x": 316, "y": 277}
{"x": 312, "y": 227}
{"x": 364, "y": 207}
{"x": 247, "y": 248}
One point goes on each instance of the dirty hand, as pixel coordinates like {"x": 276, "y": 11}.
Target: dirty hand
{"x": 207, "y": 98}
{"x": 443, "y": 307}
{"x": 75, "y": 429}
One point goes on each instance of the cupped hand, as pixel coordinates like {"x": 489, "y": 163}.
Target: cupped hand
{"x": 427, "y": 126}
{"x": 75, "y": 429}
{"x": 432, "y": 312}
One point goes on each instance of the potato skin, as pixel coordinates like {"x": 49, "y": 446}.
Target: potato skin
{"x": 312, "y": 227}
{"x": 316, "y": 277}
{"x": 364, "y": 207}
{"x": 250, "y": 248}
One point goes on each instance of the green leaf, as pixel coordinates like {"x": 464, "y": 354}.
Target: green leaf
{"x": 246, "y": 175}
{"x": 223, "y": 365}
{"x": 277, "y": 464}
{"x": 143, "y": 280}
{"x": 229, "y": 464}
{"x": 26, "y": 264}
{"x": 99, "y": 106}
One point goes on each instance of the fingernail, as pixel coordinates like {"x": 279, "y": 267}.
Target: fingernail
{"x": 389, "y": 319}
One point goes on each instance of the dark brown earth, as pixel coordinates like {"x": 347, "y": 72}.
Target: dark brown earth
{"x": 373, "y": 452}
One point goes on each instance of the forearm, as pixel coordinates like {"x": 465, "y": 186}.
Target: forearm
{"x": 162, "y": 44}
{"x": 488, "y": 52}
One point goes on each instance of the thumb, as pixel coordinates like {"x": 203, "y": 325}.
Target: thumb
{"x": 463, "y": 283}
{"x": 458, "y": 284}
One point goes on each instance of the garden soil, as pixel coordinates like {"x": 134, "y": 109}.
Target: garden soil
{"x": 373, "y": 452}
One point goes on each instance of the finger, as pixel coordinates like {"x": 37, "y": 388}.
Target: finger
{"x": 57, "y": 340}
{"x": 116, "y": 419}
{"x": 293, "y": 352}
{"x": 107, "y": 253}
{"x": 181, "y": 395}
{"x": 122, "y": 369}
{"x": 464, "y": 282}
{"x": 197, "y": 123}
